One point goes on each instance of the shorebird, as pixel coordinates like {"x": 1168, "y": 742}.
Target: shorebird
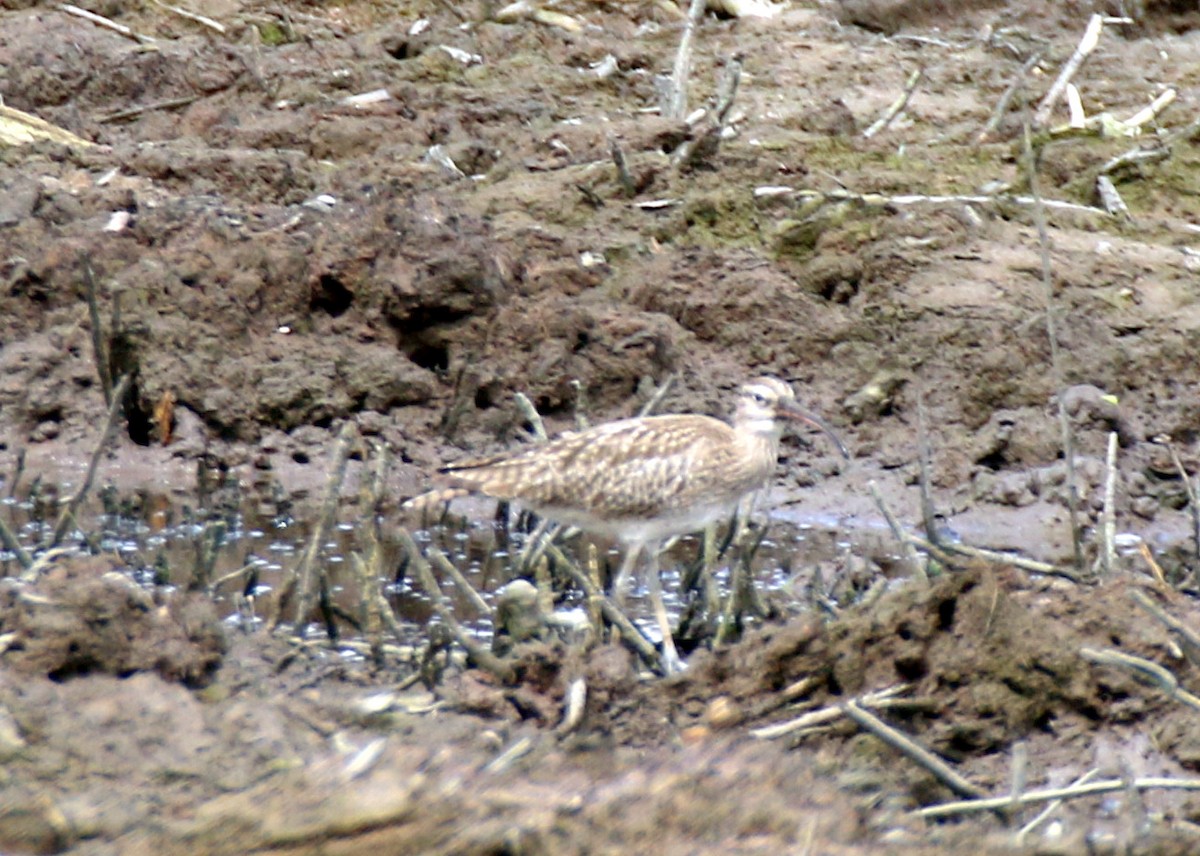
{"x": 643, "y": 481}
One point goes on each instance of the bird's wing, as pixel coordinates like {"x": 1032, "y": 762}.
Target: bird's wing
{"x": 619, "y": 469}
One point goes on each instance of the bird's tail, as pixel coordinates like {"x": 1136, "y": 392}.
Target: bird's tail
{"x": 434, "y": 498}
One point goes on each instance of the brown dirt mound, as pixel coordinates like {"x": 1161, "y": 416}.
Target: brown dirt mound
{"x": 86, "y": 616}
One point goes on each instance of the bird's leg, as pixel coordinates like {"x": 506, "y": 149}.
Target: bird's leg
{"x": 671, "y": 662}
{"x": 536, "y": 543}
{"x": 621, "y": 584}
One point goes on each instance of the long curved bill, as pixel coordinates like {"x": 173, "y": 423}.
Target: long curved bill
{"x": 794, "y": 411}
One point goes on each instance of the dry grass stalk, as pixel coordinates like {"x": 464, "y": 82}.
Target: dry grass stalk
{"x": 1145, "y": 669}
{"x": 879, "y": 699}
{"x": 928, "y": 512}
{"x": 1056, "y": 373}
{"x": 906, "y": 541}
{"x": 1104, "y": 786}
{"x": 1188, "y": 639}
{"x": 301, "y": 579}
{"x": 106, "y": 23}
{"x": 1109, "y": 550}
{"x": 1044, "y": 814}
{"x": 675, "y": 100}
{"x": 1193, "y": 499}
{"x": 204, "y": 21}
{"x": 897, "y": 106}
{"x": 438, "y": 558}
{"x": 1006, "y": 99}
{"x": 905, "y": 200}
{"x": 68, "y": 513}
{"x": 1087, "y": 44}
{"x": 944, "y": 553}
{"x": 99, "y": 348}
{"x": 611, "y": 612}
{"x": 909, "y": 748}
{"x": 10, "y": 542}
{"x": 482, "y": 657}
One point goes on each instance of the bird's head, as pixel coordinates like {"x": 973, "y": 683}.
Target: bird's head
{"x": 766, "y": 403}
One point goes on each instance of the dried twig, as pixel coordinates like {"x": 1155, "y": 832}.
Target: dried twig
{"x": 1064, "y": 419}
{"x": 192, "y": 16}
{"x": 134, "y": 112}
{"x": 374, "y": 607}
{"x": 612, "y": 613}
{"x": 1006, "y": 99}
{"x": 1104, "y": 786}
{"x": 10, "y": 542}
{"x": 906, "y": 544}
{"x": 1154, "y": 673}
{"x": 906, "y": 746}
{"x": 1019, "y": 772}
{"x": 675, "y": 101}
{"x": 628, "y": 185}
{"x": 1188, "y": 639}
{"x": 99, "y": 349}
{"x": 1050, "y": 809}
{"x": 1193, "y": 498}
{"x": 907, "y": 199}
{"x": 1087, "y": 44}
{"x": 484, "y": 658}
{"x": 302, "y": 577}
{"x": 946, "y": 547}
{"x": 573, "y": 709}
{"x": 1109, "y": 549}
{"x": 68, "y": 513}
{"x": 438, "y": 558}
{"x": 580, "y": 407}
{"x": 928, "y": 513}
{"x": 18, "y": 128}
{"x": 107, "y": 23}
{"x": 531, "y": 416}
{"x": 693, "y": 153}
{"x": 897, "y": 106}
{"x": 656, "y": 399}
{"x": 1111, "y": 199}
{"x": 879, "y": 699}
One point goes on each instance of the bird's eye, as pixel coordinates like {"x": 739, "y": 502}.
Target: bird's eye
{"x": 759, "y": 398}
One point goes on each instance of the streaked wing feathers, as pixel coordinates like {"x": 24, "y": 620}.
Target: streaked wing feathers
{"x": 630, "y": 468}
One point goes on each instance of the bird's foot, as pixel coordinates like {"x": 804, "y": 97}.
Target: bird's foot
{"x": 672, "y": 663}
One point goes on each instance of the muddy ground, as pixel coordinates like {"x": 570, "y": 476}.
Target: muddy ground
{"x": 272, "y": 258}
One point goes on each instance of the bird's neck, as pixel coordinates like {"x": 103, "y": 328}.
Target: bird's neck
{"x": 759, "y": 439}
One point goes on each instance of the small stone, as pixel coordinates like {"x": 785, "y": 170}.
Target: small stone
{"x": 723, "y": 712}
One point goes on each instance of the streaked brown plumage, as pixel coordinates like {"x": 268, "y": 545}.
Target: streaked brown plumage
{"x": 644, "y": 480}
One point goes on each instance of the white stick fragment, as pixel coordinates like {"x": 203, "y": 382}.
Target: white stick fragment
{"x": 574, "y": 706}
{"x": 1110, "y": 490}
{"x": 1075, "y": 107}
{"x": 117, "y": 221}
{"x": 107, "y": 23}
{"x": 747, "y": 8}
{"x": 465, "y": 57}
{"x": 437, "y": 155}
{"x": 523, "y": 10}
{"x": 1111, "y": 199}
{"x": 375, "y": 96}
{"x": 1152, "y": 110}
{"x": 18, "y": 128}
{"x": 919, "y": 199}
{"x": 897, "y": 106}
{"x": 192, "y": 16}
{"x": 1087, "y": 44}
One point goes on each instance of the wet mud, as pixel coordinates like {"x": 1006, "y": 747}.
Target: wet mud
{"x": 268, "y": 257}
